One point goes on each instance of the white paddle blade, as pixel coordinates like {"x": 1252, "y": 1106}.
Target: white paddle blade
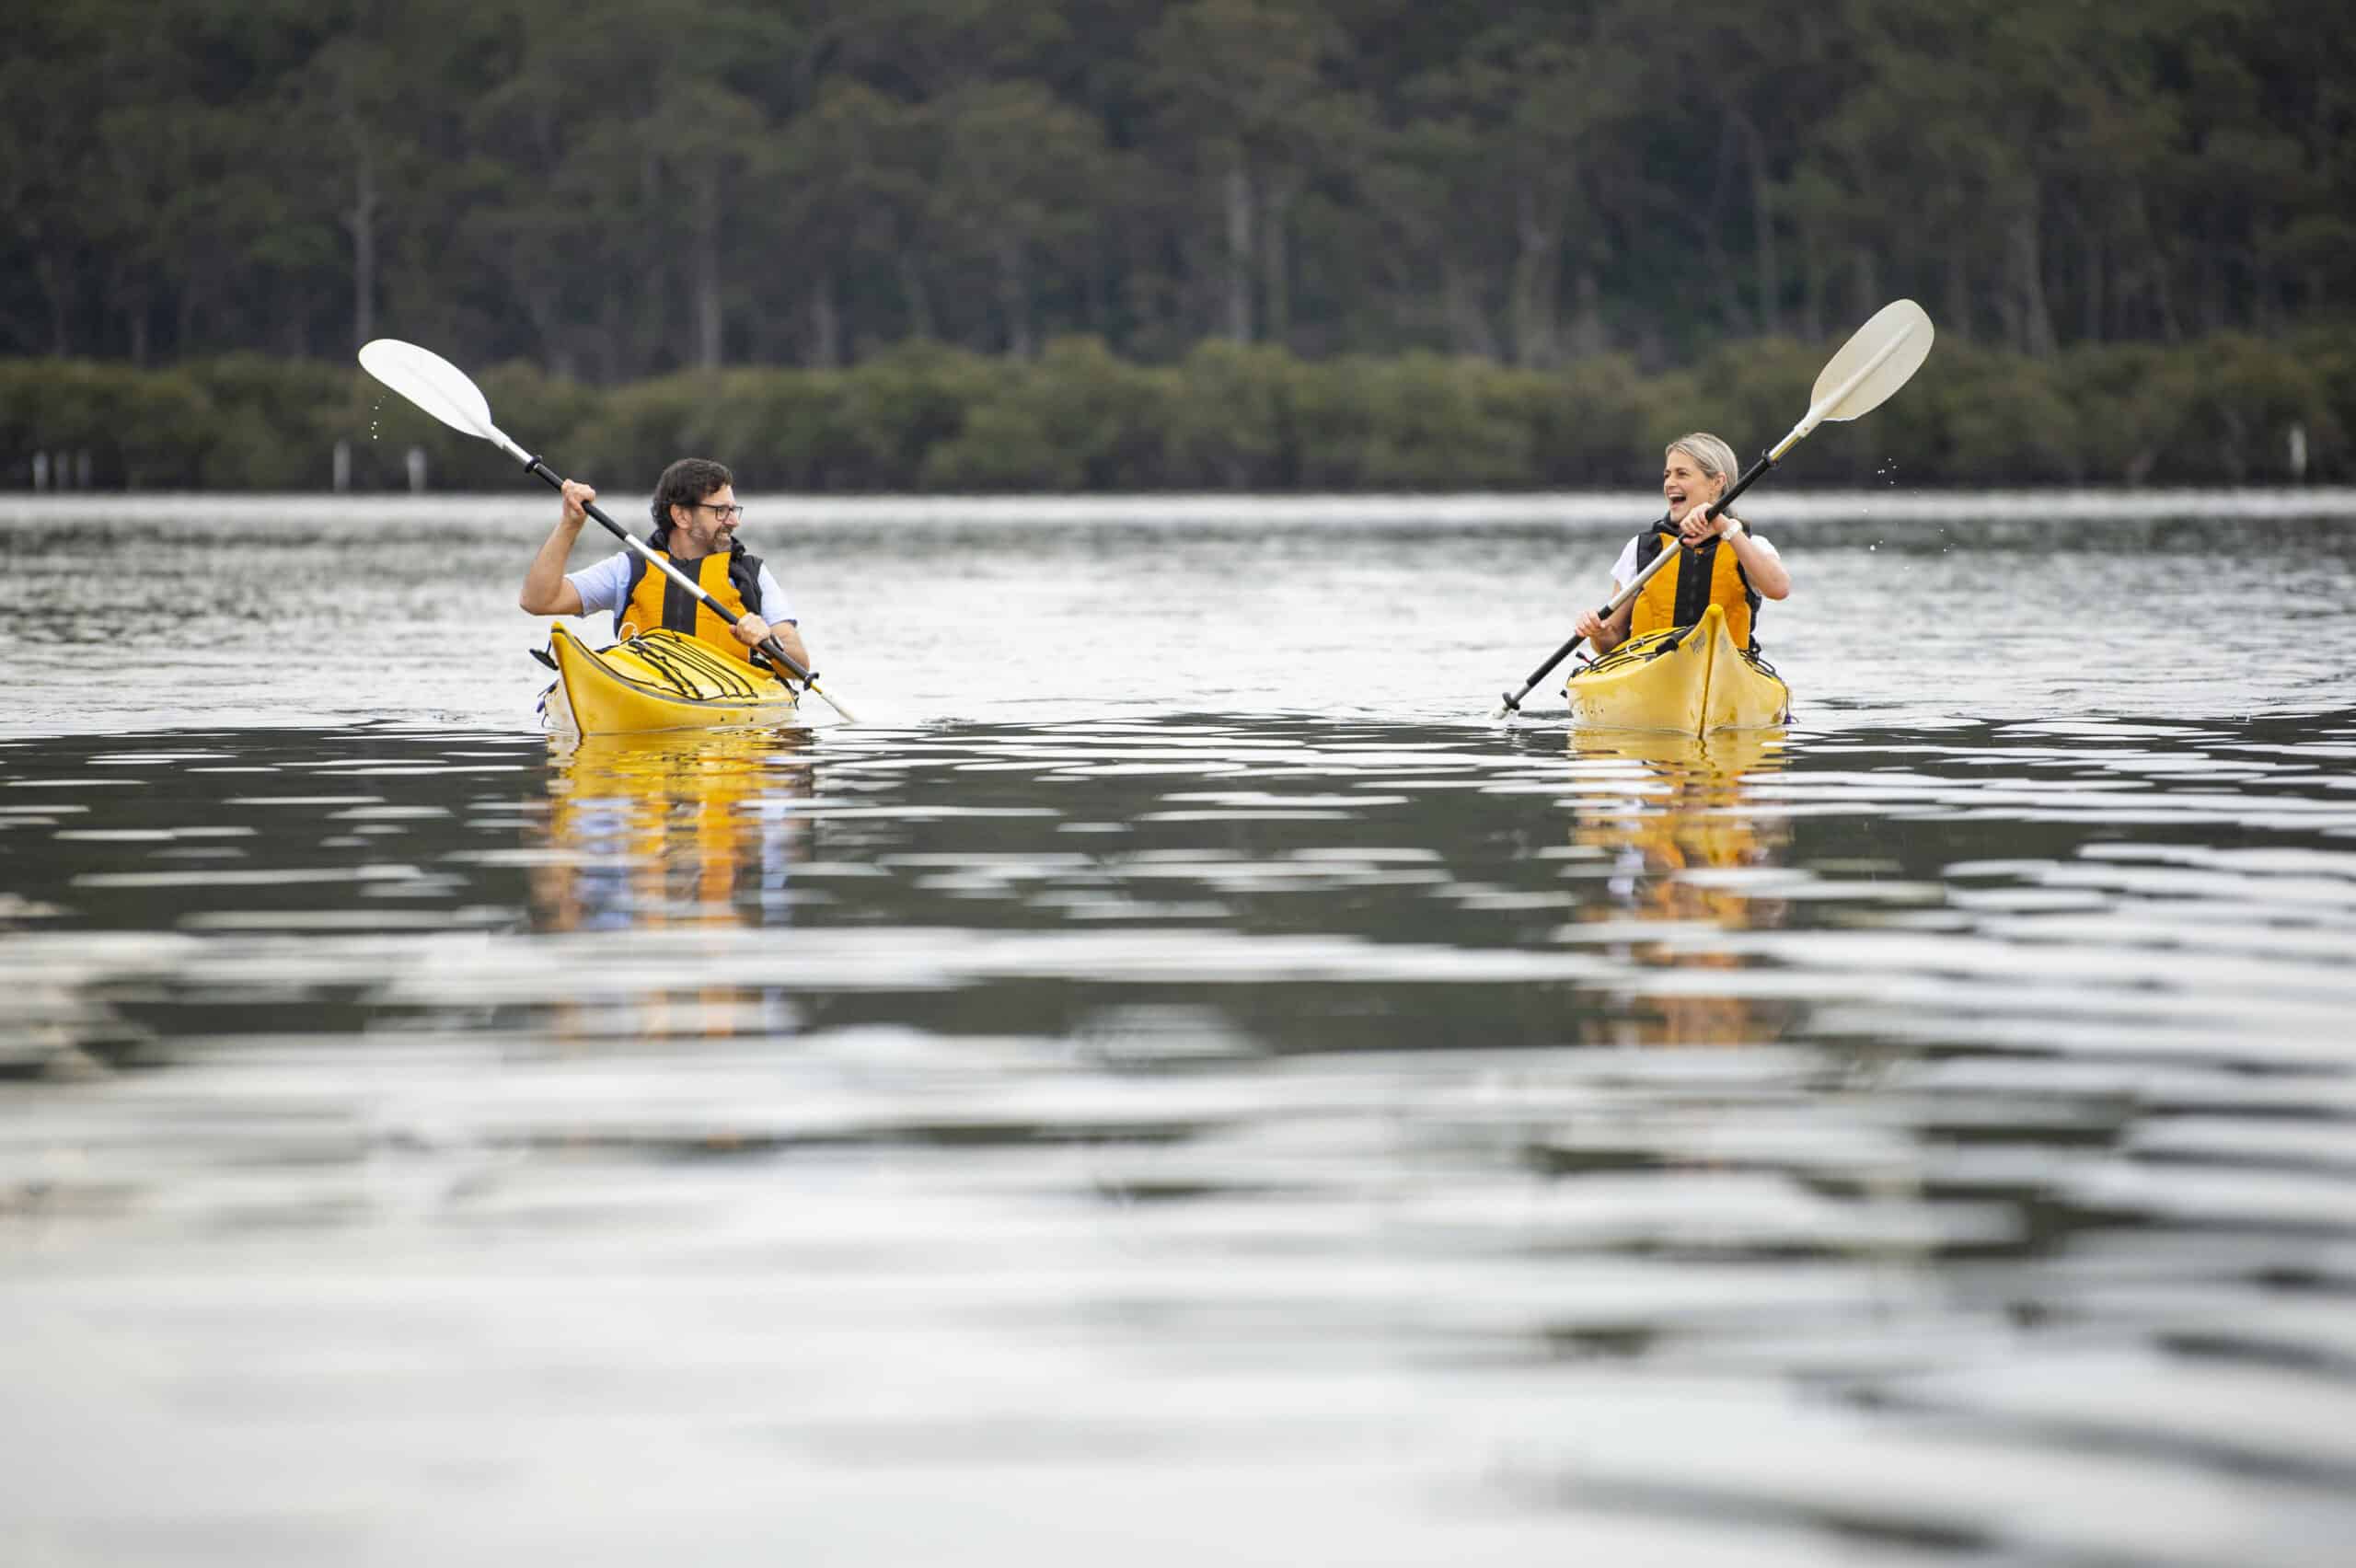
{"x": 432, "y": 383}
{"x": 1899, "y": 334}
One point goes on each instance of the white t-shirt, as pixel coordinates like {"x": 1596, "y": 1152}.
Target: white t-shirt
{"x": 1623, "y": 571}
{"x": 604, "y": 587}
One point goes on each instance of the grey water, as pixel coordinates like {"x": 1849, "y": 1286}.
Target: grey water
{"x": 1180, "y": 1081}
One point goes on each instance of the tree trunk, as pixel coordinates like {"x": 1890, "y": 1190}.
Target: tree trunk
{"x": 825, "y": 326}
{"x": 55, "y": 286}
{"x": 1237, "y": 187}
{"x": 1869, "y": 284}
{"x": 1762, "y": 223}
{"x": 1099, "y": 303}
{"x": 1537, "y": 267}
{"x": 1015, "y": 296}
{"x": 537, "y": 296}
{"x": 913, "y": 290}
{"x": 362, "y": 221}
{"x": 184, "y": 327}
{"x": 2092, "y": 285}
{"x": 709, "y": 319}
{"x": 2265, "y": 297}
{"x": 1959, "y": 278}
{"x": 1811, "y": 284}
{"x": 1276, "y": 283}
{"x": 649, "y": 343}
{"x": 1468, "y": 324}
{"x": 610, "y": 338}
{"x": 2028, "y": 286}
{"x": 1587, "y": 337}
{"x": 1736, "y": 319}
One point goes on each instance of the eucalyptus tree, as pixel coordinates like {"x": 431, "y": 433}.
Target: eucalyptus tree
{"x": 831, "y": 193}
{"x": 1017, "y": 171}
{"x": 1524, "y": 137}
{"x": 51, "y": 76}
{"x": 1243, "y": 99}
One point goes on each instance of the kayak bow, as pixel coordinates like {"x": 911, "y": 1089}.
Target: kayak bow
{"x": 1690, "y": 679}
{"x": 661, "y": 680}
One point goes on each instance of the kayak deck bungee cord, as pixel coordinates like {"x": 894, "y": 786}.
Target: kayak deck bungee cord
{"x": 658, "y": 680}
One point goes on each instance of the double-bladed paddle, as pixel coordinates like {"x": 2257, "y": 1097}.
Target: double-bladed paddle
{"x": 443, "y": 390}
{"x": 1881, "y": 357}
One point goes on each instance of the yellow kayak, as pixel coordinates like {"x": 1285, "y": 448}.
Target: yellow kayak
{"x": 1693, "y": 681}
{"x": 662, "y": 680}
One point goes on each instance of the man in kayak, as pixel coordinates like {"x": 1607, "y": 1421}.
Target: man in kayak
{"x": 695, "y": 518}
{"x": 1720, "y": 561}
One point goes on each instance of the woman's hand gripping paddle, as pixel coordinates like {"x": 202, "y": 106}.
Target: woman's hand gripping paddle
{"x": 1881, "y": 357}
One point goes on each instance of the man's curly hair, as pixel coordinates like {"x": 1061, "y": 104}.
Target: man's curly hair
{"x": 684, "y": 483}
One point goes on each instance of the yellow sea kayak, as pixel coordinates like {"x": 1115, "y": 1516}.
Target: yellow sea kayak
{"x": 1693, "y": 681}
{"x": 662, "y": 680}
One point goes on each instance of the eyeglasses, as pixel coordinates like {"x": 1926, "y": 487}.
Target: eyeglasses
{"x": 727, "y": 513}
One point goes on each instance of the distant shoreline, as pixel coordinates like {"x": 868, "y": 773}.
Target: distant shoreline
{"x": 1595, "y": 508}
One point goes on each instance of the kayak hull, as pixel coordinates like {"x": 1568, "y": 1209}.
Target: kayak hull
{"x": 1692, "y": 682}
{"x": 662, "y": 680}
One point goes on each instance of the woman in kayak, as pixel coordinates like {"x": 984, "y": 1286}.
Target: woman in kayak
{"x": 695, "y": 518}
{"x": 1719, "y": 561}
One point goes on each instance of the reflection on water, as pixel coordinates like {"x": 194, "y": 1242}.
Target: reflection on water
{"x": 1257, "y": 1129}
{"x": 671, "y": 829}
{"x": 1675, "y": 820}
{"x": 1197, "y": 1131}
{"x": 645, "y": 832}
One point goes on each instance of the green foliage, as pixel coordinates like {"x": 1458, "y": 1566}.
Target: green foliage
{"x": 799, "y": 184}
{"x": 2236, "y": 424}
{"x": 2130, "y": 399}
{"x": 901, "y": 405}
{"x": 929, "y": 417}
{"x": 1235, "y": 414}
{"x": 1429, "y": 423}
{"x": 1997, "y": 415}
{"x": 634, "y": 433}
{"x": 1078, "y": 420}
{"x": 1593, "y": 425}
{"x": 274, "y": 424}
{"x": 142, "y": 430}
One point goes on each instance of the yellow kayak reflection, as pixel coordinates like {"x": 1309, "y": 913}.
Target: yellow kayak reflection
{"x": 683, "y": 828}
{"x": 1665, "y": 811}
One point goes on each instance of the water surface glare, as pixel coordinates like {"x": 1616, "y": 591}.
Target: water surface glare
{"x": 1174, "y": 1127}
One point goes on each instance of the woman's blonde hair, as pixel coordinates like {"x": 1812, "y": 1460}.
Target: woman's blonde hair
{"x": 1712, "y": 456}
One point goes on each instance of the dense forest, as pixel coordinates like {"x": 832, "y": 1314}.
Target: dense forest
{"x": 1134, "y": 243}
{"x": 613, "y": 189}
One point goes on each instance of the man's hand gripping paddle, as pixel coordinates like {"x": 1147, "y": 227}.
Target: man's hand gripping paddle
{"x": 445, "y": 391}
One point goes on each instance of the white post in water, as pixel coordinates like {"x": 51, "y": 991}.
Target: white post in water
{"x": 417, "y": 470}
{"x": 2298, "y": 452}
{"x": 343, "y": 470}
{"x": 40, "y": 470}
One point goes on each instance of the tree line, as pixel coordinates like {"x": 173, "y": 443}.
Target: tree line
{"x": 616, "y": 192}
{"x": 929, "y": 417}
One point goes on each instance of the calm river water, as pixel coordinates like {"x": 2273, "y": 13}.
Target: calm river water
{"x": 1179, "y": 1083}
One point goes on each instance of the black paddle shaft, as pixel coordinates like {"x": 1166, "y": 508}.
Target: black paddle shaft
{"x": 770, "y": 645}
{"x": 1513, "y": 699}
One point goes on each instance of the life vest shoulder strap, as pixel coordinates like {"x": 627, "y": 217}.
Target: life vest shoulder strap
{"x": 743, "y": 569}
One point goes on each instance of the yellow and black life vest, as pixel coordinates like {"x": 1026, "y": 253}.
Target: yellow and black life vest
{"x": 1678, "y": 594}
{"x": 654, "y": 600}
